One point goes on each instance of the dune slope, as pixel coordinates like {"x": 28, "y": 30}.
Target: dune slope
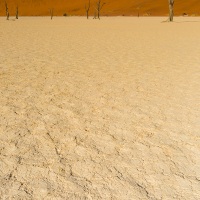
{"x": 117, "y": 7}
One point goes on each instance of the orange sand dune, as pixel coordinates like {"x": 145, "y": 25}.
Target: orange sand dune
{"x": 112, "y": 7}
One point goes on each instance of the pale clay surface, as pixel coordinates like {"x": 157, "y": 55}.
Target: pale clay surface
{"x": 103, "y": 109}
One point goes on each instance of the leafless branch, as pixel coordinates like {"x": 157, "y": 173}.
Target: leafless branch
{"x": 51, "y": 13}
{"x": 87, "y": 8}
{"x": 17, "y": 12}
{"x": 98, "y": 8}
{"x": 171, "y": 10}
{"x": 7, "y": 12}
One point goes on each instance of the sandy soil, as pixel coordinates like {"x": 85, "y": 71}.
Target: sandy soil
{"x": 103, "y": 109}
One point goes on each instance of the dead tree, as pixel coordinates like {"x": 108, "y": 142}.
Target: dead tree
{"x": 99, "y": 7}
{"x": 138, "y": 11}
{"x": 51, "y": 13}
{"x": 87, "y": 8}
{"x": 17, "y": 12}
{"x": 7, "y": 12}
{"x": 171, "y": 10}
{"x": 95, "y": 15}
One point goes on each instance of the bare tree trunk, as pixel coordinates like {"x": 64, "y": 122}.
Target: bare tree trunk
{"x": 99, "y": 7}
{"x": 138, "y": 9}
{"x": 171, "y": 10}
{"x": 95, "y": 15}
{"x": 87, "y": 8}
{"x": 17, "y": 12}
{"x": 51, "y": 13}
{"x": 7, "y": 13}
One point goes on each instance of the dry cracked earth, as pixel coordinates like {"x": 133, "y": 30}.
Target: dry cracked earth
{"x": 104, "y": 109}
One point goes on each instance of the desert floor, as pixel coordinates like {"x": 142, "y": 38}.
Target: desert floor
{"x": 100, "y": 109}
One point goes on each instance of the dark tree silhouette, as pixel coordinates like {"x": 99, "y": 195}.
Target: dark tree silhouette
{"x": 98, "y": 8}
{"x": 171, "y": 10}
{"x": 87, "y": 8}
{"x": 51, "y": 13}
{"x": 7, "y": 12}
{"x": 138, "y": 11}
{"x": 17, "y": 12}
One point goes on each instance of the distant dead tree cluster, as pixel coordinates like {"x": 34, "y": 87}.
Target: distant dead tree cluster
{"x": 7, "y": 11}
{"x": 97, "y": 9}
{"x": 171, "y": 10}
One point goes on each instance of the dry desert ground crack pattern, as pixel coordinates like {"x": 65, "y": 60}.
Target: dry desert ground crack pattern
{"x": 105, "y": 109}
